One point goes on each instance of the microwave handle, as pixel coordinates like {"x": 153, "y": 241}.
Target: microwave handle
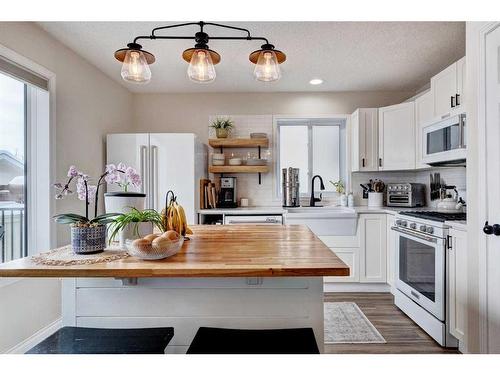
{"x": 461, "y": 132}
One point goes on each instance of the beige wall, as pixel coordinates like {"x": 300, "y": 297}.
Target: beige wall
{"x": 88, "y": 105}
{"x": 190, "y": 112}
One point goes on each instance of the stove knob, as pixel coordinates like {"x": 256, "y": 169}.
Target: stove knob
{"x": 423, "y": 228}
{"x": 404, "y": 223}
{"x": 398, "y": 222}
{"x": 430, "y": 230}
{"x": 413, "y": 225}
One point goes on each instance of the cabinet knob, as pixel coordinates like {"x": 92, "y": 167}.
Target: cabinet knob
{"x": 457, "y": 101}
{"x": 452, "y": 98}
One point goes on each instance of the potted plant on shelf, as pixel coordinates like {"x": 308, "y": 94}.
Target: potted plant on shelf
{"x": 135, "y": 224}
{"x": 223, "y": 127}
{"x": 87, "y": 235}
{"x": 124, "y": 177}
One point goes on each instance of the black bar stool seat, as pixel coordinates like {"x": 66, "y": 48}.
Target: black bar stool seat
{"x": 253, "y": 341}
{"x": 78, "y": 340}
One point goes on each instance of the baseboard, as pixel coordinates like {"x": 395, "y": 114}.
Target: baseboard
{"x": 36, "y": 338}
{"x": 356, "y": 287}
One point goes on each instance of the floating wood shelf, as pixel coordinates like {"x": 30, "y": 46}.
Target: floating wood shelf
{"x": 238, "y": 168}
{"x": 239, "y": 142}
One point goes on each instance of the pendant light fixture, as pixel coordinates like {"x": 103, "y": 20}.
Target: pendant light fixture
{"x": 135, "y": 67}
{"x": 267, "y": 61}
{"x": 201, "y": 59}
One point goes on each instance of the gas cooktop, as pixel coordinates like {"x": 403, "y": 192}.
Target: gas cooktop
{"x": 436, "y": 216}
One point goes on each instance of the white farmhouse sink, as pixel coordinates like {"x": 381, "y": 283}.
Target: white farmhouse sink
{"x": 325, "y": 221}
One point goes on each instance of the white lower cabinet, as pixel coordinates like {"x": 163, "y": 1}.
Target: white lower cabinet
{"x": 391, "y": 251}
{"x": 365, "y": 253}
{"x": 373, "y": 252}
{"x": 457, "y": 278}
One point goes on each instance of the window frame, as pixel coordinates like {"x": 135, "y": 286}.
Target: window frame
{"x": 37, "y": 221}
{"x": 341, "y": 120}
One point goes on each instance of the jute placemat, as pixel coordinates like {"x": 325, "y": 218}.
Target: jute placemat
{"x": 64, "y": 256}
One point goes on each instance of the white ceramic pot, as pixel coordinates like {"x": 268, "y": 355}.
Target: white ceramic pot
{"x": 121, "y": 202}
{"x": 134, "y": 231}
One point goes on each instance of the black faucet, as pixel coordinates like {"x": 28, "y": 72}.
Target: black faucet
{"x": 313, "y": 200}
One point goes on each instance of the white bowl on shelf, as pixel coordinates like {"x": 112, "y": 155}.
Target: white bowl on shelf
{"x": 235, "y": 161}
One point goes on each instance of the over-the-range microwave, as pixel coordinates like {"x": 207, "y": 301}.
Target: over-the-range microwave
{"x": 444, "y": 142}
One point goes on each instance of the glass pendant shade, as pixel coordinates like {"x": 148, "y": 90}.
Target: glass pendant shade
{"x": 201, "y": 68}
{"x": 135, "y": 68}
{"x": 267, "y": 68}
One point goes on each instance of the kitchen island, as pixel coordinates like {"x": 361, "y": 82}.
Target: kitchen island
{"x": 225, "y": 276}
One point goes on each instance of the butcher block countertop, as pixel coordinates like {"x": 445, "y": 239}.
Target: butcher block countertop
{"x": 214, "y": 251}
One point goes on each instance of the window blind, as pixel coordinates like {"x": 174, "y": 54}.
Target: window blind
{"x": 25, "y": 75}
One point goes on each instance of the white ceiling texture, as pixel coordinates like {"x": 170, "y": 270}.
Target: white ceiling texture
{"x": 348, "y": 56}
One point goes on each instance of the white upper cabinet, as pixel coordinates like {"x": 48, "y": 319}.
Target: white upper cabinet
{"x": 396, "y": 130}
{"x": 447, "y": 88}
{"x": 424, "y": 114}
{"x": 364, "y": 135}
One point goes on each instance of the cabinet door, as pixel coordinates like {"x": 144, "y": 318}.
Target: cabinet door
{"x": 396, "y": 128}
{"x": 391, "y": 250}
{"x": 373, "y": 251}
{"x": 364, "y": 123}
{"x": 349, "y": 256}
{"x": 133, "y": 151}
{"x": 424, "y": 114}
{"x": 357, "y": 142}
{"x": 444, "y": 88}
{"x": 461, "y": 84}
{"x": 457, "y": 279}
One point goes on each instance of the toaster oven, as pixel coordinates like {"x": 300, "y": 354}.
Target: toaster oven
{"x": 405, "y": 194}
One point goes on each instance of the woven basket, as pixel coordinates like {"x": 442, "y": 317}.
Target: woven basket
{"x": 88, "y": 240}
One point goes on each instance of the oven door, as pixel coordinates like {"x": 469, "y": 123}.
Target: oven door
{"x": 420, "y": 269}
{"x": 444, "y": 141}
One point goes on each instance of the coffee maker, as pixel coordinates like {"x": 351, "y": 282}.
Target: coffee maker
{"x": 227, "y": 195}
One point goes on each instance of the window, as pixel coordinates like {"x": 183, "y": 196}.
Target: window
{"x": 315, "y": 146}
{"x": 24, "y": 117}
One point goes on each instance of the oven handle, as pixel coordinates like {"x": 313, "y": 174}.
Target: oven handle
{"x": 415, "y": 234}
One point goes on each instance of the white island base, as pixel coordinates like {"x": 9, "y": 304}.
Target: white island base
{"x": 189, "y": 303}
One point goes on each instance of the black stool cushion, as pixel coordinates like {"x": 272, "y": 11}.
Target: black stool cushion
{"x": 250, "y": 341}
{"x": 78, "y": 340}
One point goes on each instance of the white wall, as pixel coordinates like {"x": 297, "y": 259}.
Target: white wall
{"x": 88, "y": 105}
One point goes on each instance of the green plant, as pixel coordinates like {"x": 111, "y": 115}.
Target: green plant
{"x": 134, "y": 216}
{"x": 339, "y": 186}
{"x": 79, "y": 220}
{"x": 221, "y": 123}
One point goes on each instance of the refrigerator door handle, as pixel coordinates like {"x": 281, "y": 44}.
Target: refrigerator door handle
{"x": 154, "y": 177}
{"x": 143, "y": 166}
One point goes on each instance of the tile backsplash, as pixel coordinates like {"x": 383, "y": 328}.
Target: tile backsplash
{"x": 450, "y": 176}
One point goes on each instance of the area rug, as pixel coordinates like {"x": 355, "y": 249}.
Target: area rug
{"x": 345, "y": 323}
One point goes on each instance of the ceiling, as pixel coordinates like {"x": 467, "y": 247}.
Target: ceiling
{"x": 348, "y": 56}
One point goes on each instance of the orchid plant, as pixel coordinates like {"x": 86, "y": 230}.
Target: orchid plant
{"x": 120, "y": 175}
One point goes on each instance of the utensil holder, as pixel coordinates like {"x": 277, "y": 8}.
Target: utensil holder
{"x": 375, "y": 199}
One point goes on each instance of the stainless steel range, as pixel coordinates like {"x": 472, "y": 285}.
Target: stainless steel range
{"x": 421, "y": 283}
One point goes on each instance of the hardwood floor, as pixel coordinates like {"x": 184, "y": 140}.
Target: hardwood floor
{"x": 403, "y": 336}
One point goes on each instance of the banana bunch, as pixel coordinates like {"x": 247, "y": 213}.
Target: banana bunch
{"x": 174, "y": 218}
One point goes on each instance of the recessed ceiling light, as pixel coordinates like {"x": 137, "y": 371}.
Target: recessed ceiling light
{"x": 316, "y": 81}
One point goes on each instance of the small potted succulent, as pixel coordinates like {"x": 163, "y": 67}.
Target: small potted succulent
{"x": 135, "y": 224}
{"x": 87, "y": 235}
{"x": 126, "y": 178}
{"x": 223, "y": 127}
